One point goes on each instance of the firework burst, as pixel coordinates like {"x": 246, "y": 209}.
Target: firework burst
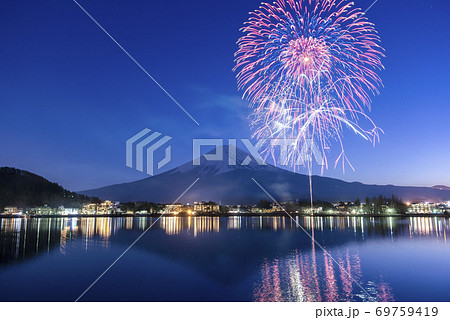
{"x": 308, "y": 69}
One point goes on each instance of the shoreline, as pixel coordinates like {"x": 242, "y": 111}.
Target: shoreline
{"x": 222, "y": 215}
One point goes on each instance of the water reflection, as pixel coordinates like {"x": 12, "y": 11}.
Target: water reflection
{"x": 306, "y": 277}
{"x": 190, "y": 225}
{"x": 21, "y": 237}
{"x": 287, "y": 265}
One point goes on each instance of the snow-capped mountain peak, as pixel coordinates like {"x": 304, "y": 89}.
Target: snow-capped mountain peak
{"x": 221, "y": 160}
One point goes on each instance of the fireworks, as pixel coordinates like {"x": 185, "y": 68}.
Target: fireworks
{"x": 308, "y": 69}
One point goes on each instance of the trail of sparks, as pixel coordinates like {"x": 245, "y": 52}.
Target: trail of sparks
{"x": 308, "y": 69}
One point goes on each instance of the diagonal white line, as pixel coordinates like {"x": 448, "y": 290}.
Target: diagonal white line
{"x": 370, "y": 6}
{"x": 318, "y": 244}
{"x": 137, "y": 63}
{"x": 134, "y": 242}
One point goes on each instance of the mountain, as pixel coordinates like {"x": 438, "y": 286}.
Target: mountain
{"x": 23, "y": 189}
{"x": 234, "y": 185}
{"x": 440, "y": 187}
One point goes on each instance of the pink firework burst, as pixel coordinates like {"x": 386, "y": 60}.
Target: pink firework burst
{"x": 308, "y": 69}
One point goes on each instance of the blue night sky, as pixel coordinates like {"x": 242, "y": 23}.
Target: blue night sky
{"x": 70, "y": 98}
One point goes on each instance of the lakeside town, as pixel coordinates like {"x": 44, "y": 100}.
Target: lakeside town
{"x": 375, "y": 206}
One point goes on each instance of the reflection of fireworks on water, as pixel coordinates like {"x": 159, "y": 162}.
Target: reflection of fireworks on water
{"x": 309, "y": 277}
{"x": 308, "y": 68}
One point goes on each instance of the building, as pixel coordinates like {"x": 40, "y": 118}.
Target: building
{"x": 206, "y": 207}
{"x": 89, "y": 208}
{"x": 12, "y": 210}
{"x": 272, "y": 209}
{"x": 41, "y": 210}
{"x": 315, "y": 210}
{"x": 233, "y": 210}
{"x": 423, "y": 207}
{"x": 67, "y": 211}
{"x": 173, "y": 209}
{"x": 427, "y": 208}
{"x": 238, "y": 209}
{"x": 106, "y": 207}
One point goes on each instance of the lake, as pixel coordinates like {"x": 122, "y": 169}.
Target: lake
{"x": 225, "y": 259}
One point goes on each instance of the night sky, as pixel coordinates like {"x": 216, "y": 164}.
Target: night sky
{"x": 70, "y": 98}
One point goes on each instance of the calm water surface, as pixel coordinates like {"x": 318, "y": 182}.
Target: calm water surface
{"x": 225, "y": 259}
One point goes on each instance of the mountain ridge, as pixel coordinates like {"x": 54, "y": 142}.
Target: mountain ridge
{"x": 441, "y": 187}
{"x": 227, "y": 184}
{"x": 21, "y": 188}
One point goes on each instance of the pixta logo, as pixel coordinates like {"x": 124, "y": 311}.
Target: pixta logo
{"x": 150, "y": 142}
{"x": 144, "y": 144}
{"x": 307, "y": 151}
